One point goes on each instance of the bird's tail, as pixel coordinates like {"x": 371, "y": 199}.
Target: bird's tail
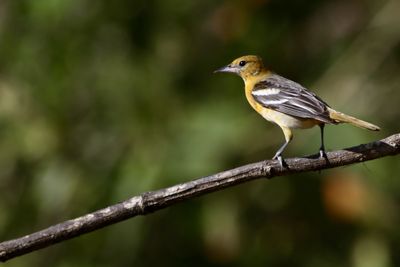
{"x": 341, "y": 117}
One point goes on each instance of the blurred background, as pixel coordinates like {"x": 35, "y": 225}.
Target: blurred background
{"x": 102, "y": 100}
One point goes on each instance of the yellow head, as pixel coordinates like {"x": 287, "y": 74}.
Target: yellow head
{"x": 245, "y": 67}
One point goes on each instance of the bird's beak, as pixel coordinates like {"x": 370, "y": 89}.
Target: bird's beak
{"x": 227, "y": 68}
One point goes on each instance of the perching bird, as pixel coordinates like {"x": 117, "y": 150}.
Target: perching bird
{"x": 286, "y": 103}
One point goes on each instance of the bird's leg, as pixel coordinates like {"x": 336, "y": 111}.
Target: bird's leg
{"x": 288, "y": 137}
{"x": 279, "y": 152}
{"x": 322, "y": 153}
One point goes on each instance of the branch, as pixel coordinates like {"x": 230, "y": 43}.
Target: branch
{"x": 155, "y": 200}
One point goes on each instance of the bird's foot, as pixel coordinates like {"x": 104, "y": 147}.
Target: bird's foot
{"x": 322, "y": 153}
{"x": 282, "y": 163}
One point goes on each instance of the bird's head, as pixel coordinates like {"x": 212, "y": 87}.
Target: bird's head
{"x": 245, "y": 67}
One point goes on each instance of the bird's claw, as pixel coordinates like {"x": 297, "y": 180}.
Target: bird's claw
{"x": 322, "y": 153}
{"x": 280, "y": 159}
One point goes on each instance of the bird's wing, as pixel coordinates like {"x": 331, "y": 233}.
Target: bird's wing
{"x": 288, "y": 97}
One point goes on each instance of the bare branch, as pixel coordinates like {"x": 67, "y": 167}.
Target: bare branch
{"x": 156, "y": 200}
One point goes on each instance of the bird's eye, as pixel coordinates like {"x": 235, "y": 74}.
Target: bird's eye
{"x": 242, "y": 63}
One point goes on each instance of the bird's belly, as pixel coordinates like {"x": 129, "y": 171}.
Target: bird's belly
{"x": 286, "y": 120}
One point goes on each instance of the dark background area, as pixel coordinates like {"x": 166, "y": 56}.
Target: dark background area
{"x": 102, "y": 100}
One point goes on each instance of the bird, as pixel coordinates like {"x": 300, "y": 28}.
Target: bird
{"x": 286, "y": 103}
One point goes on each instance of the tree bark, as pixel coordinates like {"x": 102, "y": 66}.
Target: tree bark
{"x": 155, "y": 200}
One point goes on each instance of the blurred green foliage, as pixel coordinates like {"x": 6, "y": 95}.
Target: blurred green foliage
{"x": 102, "y": 100}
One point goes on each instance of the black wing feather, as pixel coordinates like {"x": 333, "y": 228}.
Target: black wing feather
{"x": 291, "y": 99}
